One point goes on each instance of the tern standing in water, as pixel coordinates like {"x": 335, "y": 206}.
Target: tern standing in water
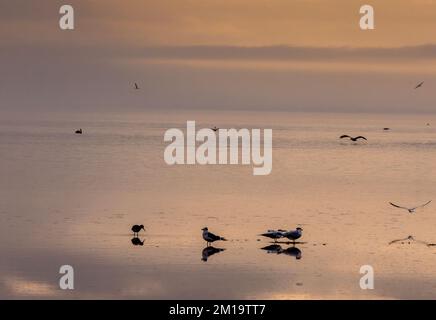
{"x": 209, "y": 237}
{"x": 293, "y": 234}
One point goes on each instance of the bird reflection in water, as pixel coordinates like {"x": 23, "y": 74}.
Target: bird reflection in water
{"x": 209, "y": 251}
{"x": 410, "y": 240}
{"x": 278, "y": 249}
{"x": 137, "y": 242}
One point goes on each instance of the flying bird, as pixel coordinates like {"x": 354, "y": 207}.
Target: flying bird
{"x": 136, "y": 228}
{"x": 209, "y": 237}
{"x": 411, "y": 210}
{"x": 410, "y": 239}
{"x": 351, "y": 138}
{"x": 419, "y": 85}
{"x": 136, "y": 86}
{"x": 215, "y": 129}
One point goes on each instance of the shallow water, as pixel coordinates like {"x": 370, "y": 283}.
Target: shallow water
{"x": 71, "y": 200}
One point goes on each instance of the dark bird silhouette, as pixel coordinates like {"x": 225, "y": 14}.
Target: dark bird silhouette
{"x": 79, "y": 131}
{"x": 419, "y": 85}
{"x": 136, "y": 86}
{"x": 215, "y": 128}
{"x": 351, "y": 138}
{"x": 209, "y": 237}
{"x": 410, "y": 239}
{"x": 293, "y": 234}
{"x": 293, "y": 252}
{"x": 386, "y": 129}
{"x": 411, "y": 210}
{"x": 137, "y": 228}
{"x": 209, "y": 251}
{"x": 137, "y": 242}
{"x": 290, "y": 251}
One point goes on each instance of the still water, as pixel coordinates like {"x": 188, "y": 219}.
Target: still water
{"x": 69, "y": 199}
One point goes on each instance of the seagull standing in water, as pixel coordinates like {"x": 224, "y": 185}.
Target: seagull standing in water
{"x": 293, "y": 234}
{"x": 352, "y": 138}
{"x": 411, "y": 210}
{"x": 209, "y": 237}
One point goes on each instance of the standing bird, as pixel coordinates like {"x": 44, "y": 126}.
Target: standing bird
{"x": 136, "y": 86}
{"x": 209, "y": 237}
{"x": 79, "y": 131}
{"x": 273, "y": 234}
{"x": 351, "y": 138}
{"x": 411, "y": 210}
{"x": 293, "y": 234}
{"x": 419, "y": 85}
{"x": 136, "y": 229}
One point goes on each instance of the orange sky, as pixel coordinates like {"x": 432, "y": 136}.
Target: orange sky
{"x": 304, "y": 40}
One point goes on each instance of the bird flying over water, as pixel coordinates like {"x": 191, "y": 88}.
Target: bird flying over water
{"x": 411, "y": 210}
{"x": 352, "y": 138}
{"x": 409, "y": 239}
{"x": 419, "y": 85}
{"x": 209, "y": 237}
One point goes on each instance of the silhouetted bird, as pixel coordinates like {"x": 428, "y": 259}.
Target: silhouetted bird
{"x": 411, "y": 210}
{"x": 209, "y": 251}
{"x": 137, "y": 228}
{"x": 386, "y": 129}
{"x": 210, "y": 237}
{"x": 410, "y": 239}
{"x": 351, "y": 138}
{"x": 79, "y": 131}
{"x": 273, "y": 234}
{"x": 293, "y": 252}
{"x": 293, "y": 234}
{"x": 419, "y": 85}
{"x": 136, "y": 86}
{"x": 215, "y": 128}
{"x": 137, "y": 242}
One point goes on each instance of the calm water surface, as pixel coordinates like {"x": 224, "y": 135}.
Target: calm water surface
{"x": 69, "y": 199}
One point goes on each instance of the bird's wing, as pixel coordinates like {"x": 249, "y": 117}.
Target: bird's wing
{"x": 398, "y": 240}
{"x": 361, "y": 137}
{"x": 344, "y": 136}
{"x": 423, "y": 205}
{"x": 419, "y": 85}
{"x": 393, "y": 204}
{"x": 213, "y": 236}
